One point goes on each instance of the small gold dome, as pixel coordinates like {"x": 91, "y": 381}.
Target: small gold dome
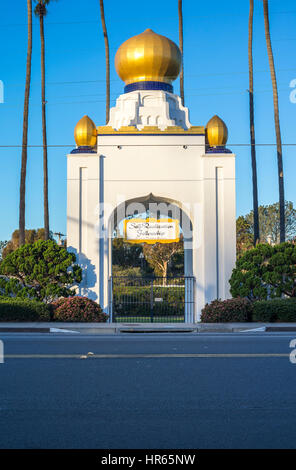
{"x": 217, "y": 132}
{"x": 148, "y": 57}
{"x": 85, "y": 133}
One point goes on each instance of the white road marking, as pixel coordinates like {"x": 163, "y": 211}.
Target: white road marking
{"x": 262, "y": 328}
{"x": 143, "y": 356}
{"x": 60, "y": 330}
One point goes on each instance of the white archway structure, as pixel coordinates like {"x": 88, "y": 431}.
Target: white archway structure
{"x": 149, "y": 149}
{"x": 173, "y": 165}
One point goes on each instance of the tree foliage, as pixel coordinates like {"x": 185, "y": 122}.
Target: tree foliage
{"x": 269, "y": 222}
{"x": 126, "y": 254}
{"x": 265, "y": 272}
{"x": 244, "y": 237}
{"x": 41, "y": 270}
{"x": 31, "y": 236}
{"x": 159, "y": 255}
{"x": 3, "y": 244}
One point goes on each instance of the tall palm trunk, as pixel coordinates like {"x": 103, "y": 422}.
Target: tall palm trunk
{"x": 44, "y": 133}
{"x": 277, "y": 122}
{"x": 107, "y": 55}
{"x": 252, "y": 127}
{"x": 180, "y": 11}
{"x": 22, "y": 206}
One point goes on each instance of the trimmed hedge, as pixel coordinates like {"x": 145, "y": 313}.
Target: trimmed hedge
{"x": 242, "y": 310}
{"x": 275, "y": 310}
{"x": 80, "y": 309}
{"x": 23, "y": 310}
{"x": 231, "y": 310}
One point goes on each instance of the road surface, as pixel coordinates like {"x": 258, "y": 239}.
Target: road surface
{"x": 193, "y": 391}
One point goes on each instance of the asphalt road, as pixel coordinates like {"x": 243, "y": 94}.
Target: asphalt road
{"x": 148, "y": 391}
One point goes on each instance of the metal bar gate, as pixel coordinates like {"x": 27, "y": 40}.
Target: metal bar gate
{"x": 151, "y": 299}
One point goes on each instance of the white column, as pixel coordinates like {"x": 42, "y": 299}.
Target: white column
{"x": 82, "y": 202}
{"x": 219, "y": 232}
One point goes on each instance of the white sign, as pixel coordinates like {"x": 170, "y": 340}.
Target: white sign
{"x": 151, "y": 231}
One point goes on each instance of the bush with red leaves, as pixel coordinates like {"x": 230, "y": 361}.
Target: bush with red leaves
{"x": 231, "y": 310}
{"x": 78, "y": 309}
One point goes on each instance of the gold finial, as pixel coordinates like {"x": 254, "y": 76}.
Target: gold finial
{"x": 85, "y": 133}
{"x": 148, "y": 57}
{"x": 216, "y": 132}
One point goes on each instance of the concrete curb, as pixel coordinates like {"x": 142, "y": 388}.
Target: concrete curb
{"x": 124, "y": 328}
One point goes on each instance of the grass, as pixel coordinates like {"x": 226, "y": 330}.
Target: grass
{"x": 146, "y": 319}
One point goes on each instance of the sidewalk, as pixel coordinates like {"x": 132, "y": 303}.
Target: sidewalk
{"x": 118, "y": 328}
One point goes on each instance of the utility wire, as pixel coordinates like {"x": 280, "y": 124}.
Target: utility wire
{"x": 149, "y": 145}
{"x": 210, "y": 74}
{"x": 62, "y": 23}
{"x": 62, "y": 103}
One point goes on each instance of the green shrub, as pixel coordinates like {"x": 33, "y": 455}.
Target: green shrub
{"x": 80, "y": 309}
{"x": 275, "y": 310}
{"x": 265, "y": 272}
{"x": 12, "y": 288}
{"x": 223, "y": 311}
{"x": 23, "y": 310}
{"x": 42, "y": 271}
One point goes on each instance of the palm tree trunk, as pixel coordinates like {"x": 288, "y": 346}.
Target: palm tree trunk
{"x": 252, "y": 127}
{"x": 107, "y": 55}
{"x": 44, "y": 134}
{"x": 180, "y": 10}
{"x": 22, "y": 206}
{"x": 277, "y": 123}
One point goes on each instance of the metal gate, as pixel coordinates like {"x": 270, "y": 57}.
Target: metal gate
{"x": 153, "y": 299}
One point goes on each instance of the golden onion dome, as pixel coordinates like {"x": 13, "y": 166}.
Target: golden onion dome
{"x": 217, "y": 132}
{"x": 148, "y": 57}
{"x": 85, "y": 133}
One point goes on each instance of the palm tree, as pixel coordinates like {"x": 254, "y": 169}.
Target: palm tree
{"x": 180, "y": 10}
{"x": 276, "y": 121}
{"x": 40, "y": 11}
{"x": 22, "y": 206}
{"x": 107, "y": 55}
{"x": 252, "y": 127}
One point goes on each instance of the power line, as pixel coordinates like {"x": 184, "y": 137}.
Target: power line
{"x": 116, "y": 93}
{"x": 210, "y": 74}
{"x": 62, "y": 23}
{"x": 149, "y": 145}
{"x": 113, "y": 99}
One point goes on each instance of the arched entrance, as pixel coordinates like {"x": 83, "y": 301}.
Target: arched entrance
{"x": 142, "y": 294}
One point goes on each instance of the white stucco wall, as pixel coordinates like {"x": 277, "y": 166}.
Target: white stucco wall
{"x": 133, "y": 166}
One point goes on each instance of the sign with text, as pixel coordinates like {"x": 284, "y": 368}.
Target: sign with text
{"x": 151, "y": 230}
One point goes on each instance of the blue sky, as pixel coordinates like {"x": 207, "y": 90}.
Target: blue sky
{"x": 216, "y": 82}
